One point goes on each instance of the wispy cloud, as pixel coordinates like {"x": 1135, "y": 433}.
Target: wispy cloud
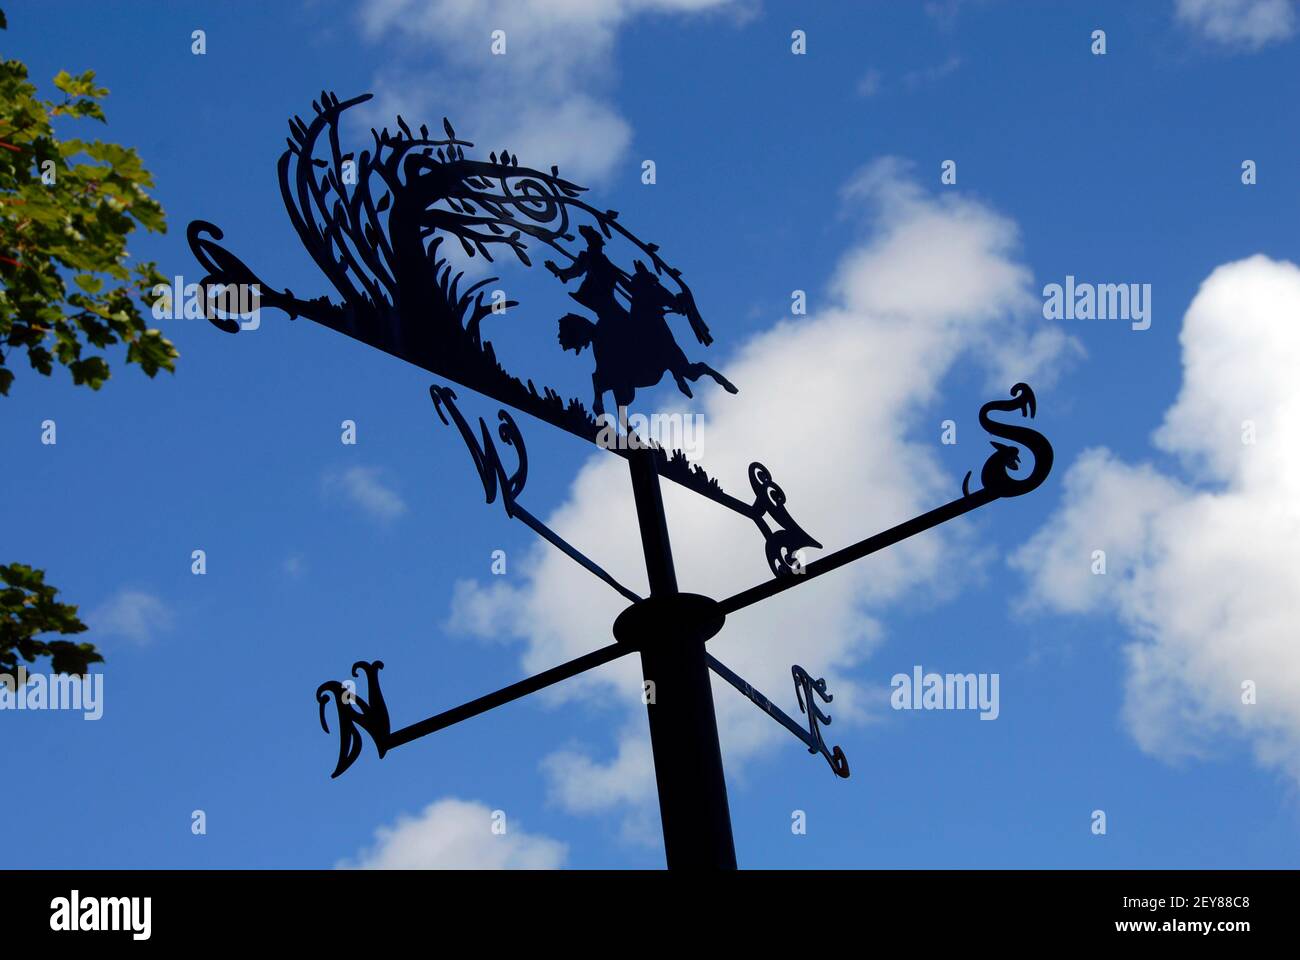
{"x": 927, "y": 76}
{"x": 869, "y": 85}
{"x": 1248, "y": 24}
{"x": 365, "y": 487}
{"x": 873, "y": 81}
{"x": 945, "y": 12}
{"x": 132, "y": 615}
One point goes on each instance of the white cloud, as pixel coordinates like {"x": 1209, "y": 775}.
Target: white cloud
{"x": 928, "y": 76}
{"x": 364, "y": 486}
{"x": 944, "y": 12}
{"x": 831, "y": 403}
{"x": 1240, "y": 23}
{"x": 582, "y": 786}
{"x": 487, "y": 612}
{"x": 547, "y": 98}
{"x": 1203, "y": 570}
{"x": 132, "y": 614}
{"x": 873, "y": 81}
{"x": 453, "y": 834}
{"x": 869, "y": 85}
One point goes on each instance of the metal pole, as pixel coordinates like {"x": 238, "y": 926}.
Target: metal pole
{"x": 683, "y": 727}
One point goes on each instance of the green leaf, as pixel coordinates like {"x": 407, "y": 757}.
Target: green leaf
{"x": 92, "y": 371}
{"x": 82, "y": 108}
{"x": 82, "y": 86}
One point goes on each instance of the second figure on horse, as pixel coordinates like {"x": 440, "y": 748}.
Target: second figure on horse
{"x": 633, "y": 346}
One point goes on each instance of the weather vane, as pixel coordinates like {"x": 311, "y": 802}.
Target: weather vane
{"x": 375, "y": 224}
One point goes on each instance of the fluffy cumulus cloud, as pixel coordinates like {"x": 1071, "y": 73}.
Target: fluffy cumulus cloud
{"x": 547, "y": 96}
{"x": 453, "y": 834}
{"x": 1240, "y": 23}
{"x": 832, "y": 403}
{"x": 1202, "y": 563}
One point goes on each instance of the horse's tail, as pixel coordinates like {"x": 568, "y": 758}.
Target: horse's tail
{"x": 576, "y": 332}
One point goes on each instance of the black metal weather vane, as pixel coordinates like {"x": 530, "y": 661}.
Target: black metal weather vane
{"x": 374, "y": 223}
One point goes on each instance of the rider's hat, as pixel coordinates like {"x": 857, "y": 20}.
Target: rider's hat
{"x": 591, "y": 234}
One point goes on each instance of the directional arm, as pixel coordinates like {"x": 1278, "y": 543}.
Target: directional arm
{"x": 492, "y": 473}
{"x": 811, "y": 737}
{"x": 371, "y": 715}
{"x": 998, "y": 479}
{"x": 570, "y": 551}
{"x": 757, "y": 698}
{"x": 541, "y": 681}
{"x": 857, "y": 551}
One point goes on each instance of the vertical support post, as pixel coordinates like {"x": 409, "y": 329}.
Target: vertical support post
{"x": 683, "y": 727}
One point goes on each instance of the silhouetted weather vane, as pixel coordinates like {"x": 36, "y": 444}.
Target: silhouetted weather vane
{"x": 375, "y": 223}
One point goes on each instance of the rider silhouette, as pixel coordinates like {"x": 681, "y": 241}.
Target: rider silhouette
{"x": 634, "y": 345}
{"x": 599, "y": 277}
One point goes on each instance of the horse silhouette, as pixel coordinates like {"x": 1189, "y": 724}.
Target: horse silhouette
{"x": 633, "y": 346}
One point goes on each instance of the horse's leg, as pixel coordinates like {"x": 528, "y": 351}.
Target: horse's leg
{"x": 597, "y": 405}
{"x": 694, "y": 371}
{"x": 675, "y": 363}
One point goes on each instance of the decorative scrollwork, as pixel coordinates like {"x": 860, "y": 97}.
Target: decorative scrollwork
{"x": 486, "y": 459}
{"x": 353, "y": 711}
{"x": 804, "y": 687}
{"x": 782, "y": 543}
{"x": 996, "y": 477}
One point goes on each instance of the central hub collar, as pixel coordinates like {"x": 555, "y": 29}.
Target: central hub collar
{"x": 668, "y": 616}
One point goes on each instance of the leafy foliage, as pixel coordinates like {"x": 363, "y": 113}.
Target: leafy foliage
{"x": 66, "y": 210}
{"x": 27, "y": 609}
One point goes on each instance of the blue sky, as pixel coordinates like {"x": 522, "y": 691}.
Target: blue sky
{"x": 775, "y": 172}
